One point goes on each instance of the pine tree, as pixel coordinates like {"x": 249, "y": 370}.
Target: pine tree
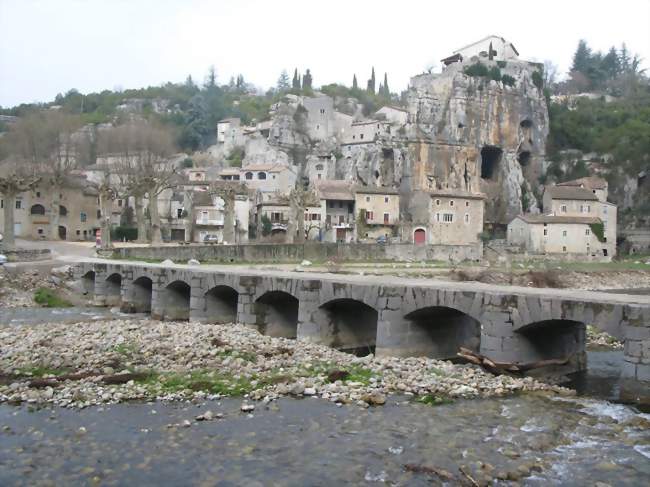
{"x": 582, "y": 58}
{"x": 371, "y": 82}
{"x": 355, "y": 86}
{"x": 380, "y": 90}
{"x": 211, "y": 78}
{"x": 306, "y": 81}
{"x": 295, "y": 83}
{"x": 610, "y": 64}
{"x": 283, "y": 81}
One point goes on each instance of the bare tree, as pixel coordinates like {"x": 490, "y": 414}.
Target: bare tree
{"x": 15, "y": 177}
{"x": 550, "y": 73}
{"x": 299, "y": 199}
{"x": 46, "y": 140}
{"x": 143, "y": 154}
{"x": 228, "y": 192}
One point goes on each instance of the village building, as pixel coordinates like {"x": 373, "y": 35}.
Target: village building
{"x": 491, "y": 47}
{"x": 553, "y": 234}
{"x": 268, "y": 178}
{"x": 577, "y": 219}
{"x": 377, "y": 211}
{"x": 455, "y": 218}
{"x": 337, "y": 206}
{"x": 229, "y": 174}
{"x": 367, "y": 131}
{"x": 210, "y": 217}
{"x": 79, "y": 214}
{"x": 280, "y": 215}
{"x": 393, "y": 115}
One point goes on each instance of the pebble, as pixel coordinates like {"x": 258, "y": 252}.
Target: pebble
{"x": 246, "y": 408}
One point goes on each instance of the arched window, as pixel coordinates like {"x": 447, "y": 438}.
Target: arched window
{"x": 319, "y": 167}
{"x": 37, "y": 210}
{"x": 261, "y": 175}
{"x": 63, "y": 211}
{"x": 249, "y": 175}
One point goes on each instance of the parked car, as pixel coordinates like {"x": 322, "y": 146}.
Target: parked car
{"x": 211, "y": 239}
{"x": 382, "y": 239}
{"x": 3, "y": 259}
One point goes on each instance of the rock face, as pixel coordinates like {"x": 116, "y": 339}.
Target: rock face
{"x": 475, "y": 134}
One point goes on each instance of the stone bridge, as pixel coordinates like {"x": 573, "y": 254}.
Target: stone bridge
{"x": 387, "y": 315}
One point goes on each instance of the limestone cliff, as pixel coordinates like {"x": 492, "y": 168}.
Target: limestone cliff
{"x": 473, "y": 133}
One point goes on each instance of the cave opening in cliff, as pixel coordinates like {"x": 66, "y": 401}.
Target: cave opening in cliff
{"x": 490, "y": 160}
{"x": 526, "y": 124}
{"x": 524, "y": 158}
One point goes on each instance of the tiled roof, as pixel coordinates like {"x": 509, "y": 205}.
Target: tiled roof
{"x": 591, "y": 182}
{"x": 570, "y": 193}
{"x": 558, "y": 219}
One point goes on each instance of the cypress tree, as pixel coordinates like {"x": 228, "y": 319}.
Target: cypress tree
{"x": 386, "y": 89}
{"x": 306, "y": 81}
{"x": 295, "y": 83}
{"x": 355, "y": 86}
{"x": 371, "y": 82}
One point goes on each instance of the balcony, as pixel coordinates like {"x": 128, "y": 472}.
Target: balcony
{"x": 215, "y": 222}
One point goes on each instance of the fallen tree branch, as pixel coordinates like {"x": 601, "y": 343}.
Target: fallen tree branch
{"x": 500, "y": 368}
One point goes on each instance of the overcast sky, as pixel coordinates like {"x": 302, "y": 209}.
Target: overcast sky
{"x": 50, "y": 46}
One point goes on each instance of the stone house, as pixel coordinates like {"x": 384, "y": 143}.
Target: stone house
{"x": 320, "y": 116}
{"x": 209, "y": 217}
{"x": 586, "y": 197}
{"x": 554, "y": 234}
{"x": 491, "y": 47}
{"x": 279, "y": 213}
{"x": 367, "y": 131}
{"x": 229, "y": 174}
{"x": 455, "y": 218}
{"x": 79, "y": 215}
{"x": 394, "y": 115}
{"x": 337, "y": 205}
{"x": 268, "y": 178}
{"x": 377, "y": 211}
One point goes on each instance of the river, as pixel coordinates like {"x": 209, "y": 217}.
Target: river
{"x": 543, "y": 441}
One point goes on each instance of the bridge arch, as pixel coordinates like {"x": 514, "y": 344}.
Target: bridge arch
{"x": 440, "y": 331}
{"x": 553, "y": 339}
{"x": 221, "y": 304}
{"x": 88, "y": 283}
{"x": 349, "y": 324}
{"x": 277, "y": 314}
{"x": 141, "y": 293}
{"x": 176, "y": 301}
{"x": 113, "y": 288}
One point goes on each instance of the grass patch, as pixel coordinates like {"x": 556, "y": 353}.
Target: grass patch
{"x": 333, "y": 372}
{"x": 201, "y": 380}
{"x": 49, "y": 299}
{"x": 42, "y": 371}
{"x": 433, "y": 400}
{"x": 242, "y": 354}
{"x": 127, "y": 349}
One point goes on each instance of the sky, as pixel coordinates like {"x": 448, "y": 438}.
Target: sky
{"x": 50, "y": 46}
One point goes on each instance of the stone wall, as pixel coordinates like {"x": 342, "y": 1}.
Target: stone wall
{"x": 26, "y": 255}
{"x": 317, "y": 252}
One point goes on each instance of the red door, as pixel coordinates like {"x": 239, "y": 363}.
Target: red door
{"x": 420, "y": 236}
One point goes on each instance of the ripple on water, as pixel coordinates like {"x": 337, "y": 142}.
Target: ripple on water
{"x": 642, "y": 450}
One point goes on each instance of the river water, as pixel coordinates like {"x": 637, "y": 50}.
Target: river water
{"x": 536, "y": 439}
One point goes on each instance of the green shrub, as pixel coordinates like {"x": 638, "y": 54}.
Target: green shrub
{"x": 494, "y": 73}
{"x": 501, "y": 64}
{"x": 508, "y": 80}
{"x": 598, "y": 229}
{"x": 538, "y": 80}
{"x": 119, "y": 234}
{"x": 187, "y": 162}
{"x": 476, "y": 70}
{"x": 267, "y": 226}
{"x": 49, "y": 299}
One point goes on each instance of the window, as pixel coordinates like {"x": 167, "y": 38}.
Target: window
{"x": 40, "y": 231}
{"x": 261, "y": 175}
{"x": 467, "y": 203}
{"x": 361, "y": 136}
{"x": 2, "y": 203}
{"x": 587, "y": 232}
{"x": 19, "y": 204}
{"x": 179, "y": 212}
{"x": 448, "y": 217}
{"x": 437, "y": 217}
{"x": 306, "y": 216}
{"x": 249, "y": 175}
{"x": 78, "y": 232}
{"x": 437, "y": 202}
{"x": 322, "y": 111}
{"x": 466, "y": 217}
{"x": 315, "y": 216}
{"x": 83, "y": 217}
{"x": 546, "y": 232}
{"x": 563, "y": 249}
{"x": 319, "y": 167}
{"x": 369, "y": 215}
{"x": 385, "y": 199}
{"x": 99, "y": 214}
{"x": 63, "y": 211}
{"x": 386, "y": 218}
{"x": 37, "y": 210}
{"x": 38, "y": 195}
{"x": 119, "y": 203}
{"x": 276, "y": 217}
{"x": 320, "y": 176}
{"x": 340, "y": 204}
{"x": 563, "y": 209}
{"x": 317, "y": 127}
{"x": 451, "y": 203}
{"x": 367, "y": 199}
{"x": 564, "y": 233}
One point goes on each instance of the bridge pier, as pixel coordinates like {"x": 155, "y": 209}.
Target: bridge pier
{"x": 309, "y": 295}
{"x": 635, "y": 375}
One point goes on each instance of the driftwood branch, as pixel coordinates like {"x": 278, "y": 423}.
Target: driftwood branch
{"x": 500, "y": 368}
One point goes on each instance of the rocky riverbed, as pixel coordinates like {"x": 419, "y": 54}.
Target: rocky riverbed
{"x": 86, "y": 364}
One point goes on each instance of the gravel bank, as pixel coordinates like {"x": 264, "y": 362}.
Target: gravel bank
{"x": 87, "y": 363}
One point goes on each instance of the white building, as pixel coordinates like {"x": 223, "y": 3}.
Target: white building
{"x": 490, "y": 47}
